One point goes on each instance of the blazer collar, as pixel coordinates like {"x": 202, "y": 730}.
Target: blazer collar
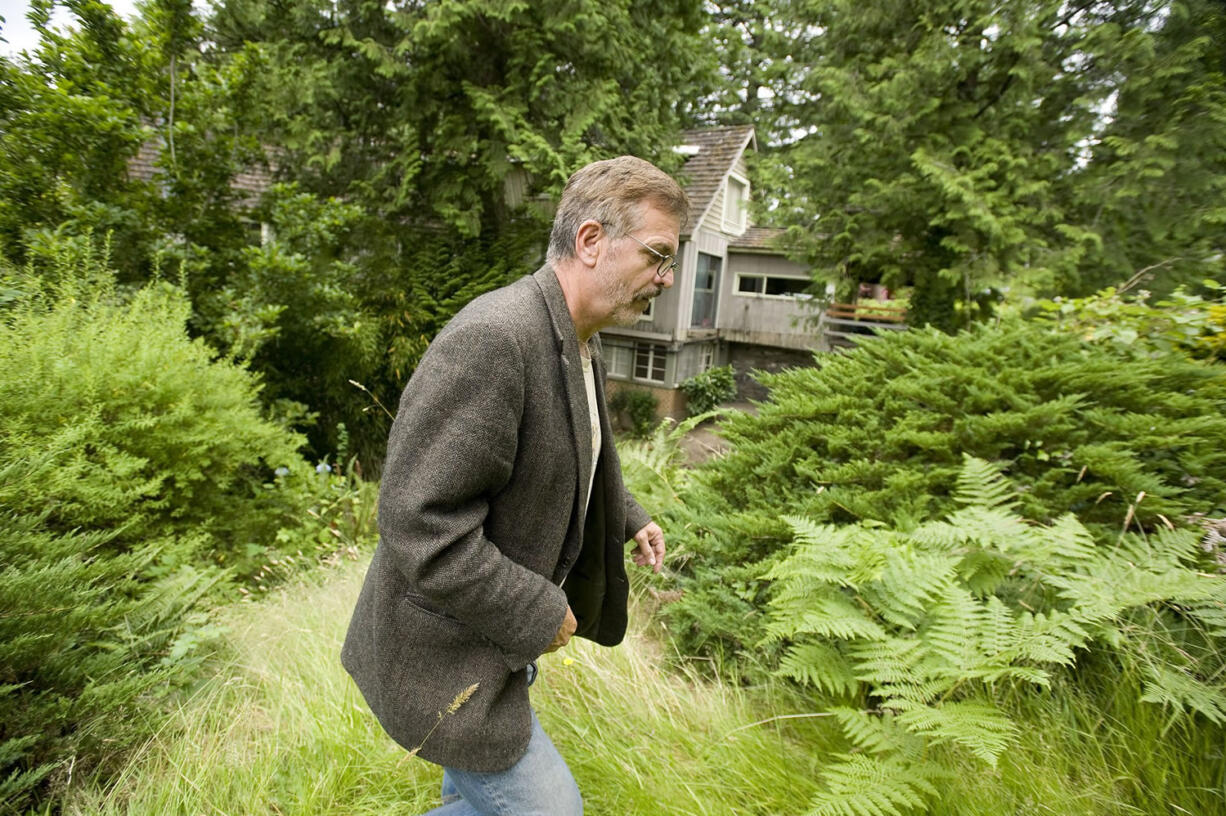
{"x": 567, "y": 340}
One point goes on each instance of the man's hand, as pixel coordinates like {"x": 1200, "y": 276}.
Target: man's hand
{"x": 650, "y": 550}
{"x": 568, "y": 627}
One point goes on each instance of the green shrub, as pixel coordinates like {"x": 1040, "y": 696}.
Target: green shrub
{"x": 709, "y": 389}
{"x": 879, "y": 434}
{"x": 914, "y": 638}
{"x": 638, "y": 406}
{"x": 134, "y": 466}
{"x": 1181, "y": 323}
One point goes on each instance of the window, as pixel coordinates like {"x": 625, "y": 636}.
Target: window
{"x": 736, "y": 202}
{"x": 649, "y": 361}
{"x": 786, "y": 286}
{"x": 649, "y": 312}
{"x": 706, "y": 291}
{"x": 618, "y": 360}
{"x": 773, "y": 286}
{"x": 707, "y": 361}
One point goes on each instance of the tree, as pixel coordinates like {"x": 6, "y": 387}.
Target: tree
{"x": 952, "y": 145}
{"x": 1155, "y": 187}
{"x": 450, "y": 126}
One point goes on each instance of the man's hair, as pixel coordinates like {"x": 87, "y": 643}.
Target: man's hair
{"x": 609, "y": 191}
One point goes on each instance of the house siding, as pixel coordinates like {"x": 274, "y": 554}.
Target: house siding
{"x": 714, "y": 218}
{"x": 774, "y": 321}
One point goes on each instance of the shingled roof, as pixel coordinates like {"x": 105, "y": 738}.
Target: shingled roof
{"x": 757, "y": 239}
{"x": 703, "y": 173}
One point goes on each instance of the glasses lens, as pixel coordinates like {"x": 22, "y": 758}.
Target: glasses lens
{"x": 667, "y": 264}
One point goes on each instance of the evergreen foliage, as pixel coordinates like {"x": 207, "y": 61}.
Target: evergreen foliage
{"x": 133, "y": 465}
{"x": 966, "y": 148}
{"x": 914, "y": 632}
{"x": 878, "y": 434}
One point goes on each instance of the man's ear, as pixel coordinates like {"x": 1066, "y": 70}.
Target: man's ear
{"x": 587, "y": 242}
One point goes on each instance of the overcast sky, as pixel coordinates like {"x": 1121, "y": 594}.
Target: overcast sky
{"x": 16, "y": 28}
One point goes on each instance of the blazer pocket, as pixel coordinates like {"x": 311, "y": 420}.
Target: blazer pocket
{"x": 425, "y": 606}
{"x": 513, "y": 663}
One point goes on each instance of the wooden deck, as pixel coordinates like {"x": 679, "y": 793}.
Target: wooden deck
{"x": 844, "y": 324}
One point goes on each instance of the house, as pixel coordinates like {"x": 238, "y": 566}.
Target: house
{"x": 736, "y": 299}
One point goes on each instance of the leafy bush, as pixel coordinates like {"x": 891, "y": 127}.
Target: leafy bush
{"x": 134, "y": 466}
{"x": 914, "y": 633}
{"x": 879, "y": 434}
{"x": 708, "y": 389}
{"x": 1181, "y": 323}
{"x": 638, "y": 406}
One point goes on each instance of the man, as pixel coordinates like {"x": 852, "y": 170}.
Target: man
{"x": 502, "y": 515}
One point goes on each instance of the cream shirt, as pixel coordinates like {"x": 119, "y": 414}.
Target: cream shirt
{"x": 589, "y": 384}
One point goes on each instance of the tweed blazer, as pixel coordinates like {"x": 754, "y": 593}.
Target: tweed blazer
{"x": 482, "y": 523}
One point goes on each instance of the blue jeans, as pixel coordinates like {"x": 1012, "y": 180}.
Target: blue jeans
{"x": 539, "y": 784}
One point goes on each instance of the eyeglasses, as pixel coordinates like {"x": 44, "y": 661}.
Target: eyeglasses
{"x": 668, "y": 263}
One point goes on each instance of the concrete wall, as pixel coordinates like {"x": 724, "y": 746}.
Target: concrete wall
{"x": 746, "y": 358}
{"x": 669, "y": 401}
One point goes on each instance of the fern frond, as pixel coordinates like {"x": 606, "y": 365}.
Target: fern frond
{"x": 976, "y": 725}
{"x": 1066, "y": 544}
{"x": 984, "y": 571}
{"x": 1181, "y": 691}
{"x": 859, "y": 785}
{"x": 1047, "y": 638}
{"x": 1210, "y": 613}
{"x": 890, "y": 661}
{"x": 952, "y": 626}
{"x": 832, "y": 615}
{"x": 983, "y": 484}
{"x": 877, "y": 733}
{"x": 939, "y": 536}
{"x": 908, "y": 583}
{"x": 1115, "y": 584}
{"x": 820, "y": 666}
{"x": 997, "y": 529}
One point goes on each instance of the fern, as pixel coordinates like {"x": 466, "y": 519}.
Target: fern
{"x": 820, "y": 666}
{"x": 981, "y": 484}
{"x": 928, "y": 622}
{"x": 976, "y": 725}
{"x": 859, "y": 785}
{"x": 1180, "y": 690}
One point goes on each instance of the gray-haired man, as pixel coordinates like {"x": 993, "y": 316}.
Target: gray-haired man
{"x": 502, "y": 514}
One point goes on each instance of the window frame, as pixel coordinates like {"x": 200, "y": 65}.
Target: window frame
{"x": 740, "y": 222}
{"x": 763, "y": 278}
{"x": 655, "y": 352}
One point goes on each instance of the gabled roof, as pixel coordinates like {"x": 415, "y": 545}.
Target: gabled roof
{"x": 704, "y": 172}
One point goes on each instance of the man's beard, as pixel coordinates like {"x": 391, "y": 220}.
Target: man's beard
{"x": 629, "y": 313}
{"x": 630, "y": 304}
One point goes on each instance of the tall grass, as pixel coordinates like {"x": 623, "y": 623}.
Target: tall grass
{"x": 280, "y": 728}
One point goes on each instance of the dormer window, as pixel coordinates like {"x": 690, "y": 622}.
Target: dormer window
{"x": 736, "y": 204}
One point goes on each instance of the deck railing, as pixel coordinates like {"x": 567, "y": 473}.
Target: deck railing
{"x": 844, "y": 323}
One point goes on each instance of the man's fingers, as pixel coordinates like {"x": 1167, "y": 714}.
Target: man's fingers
{"x": 646, "y": 550}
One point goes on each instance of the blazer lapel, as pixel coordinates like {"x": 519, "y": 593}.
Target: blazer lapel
{"x": 572, "y": 371}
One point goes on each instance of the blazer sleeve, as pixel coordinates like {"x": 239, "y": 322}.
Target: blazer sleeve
{"x": 636, "y": 516}
{"x": 452, "y": 446}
